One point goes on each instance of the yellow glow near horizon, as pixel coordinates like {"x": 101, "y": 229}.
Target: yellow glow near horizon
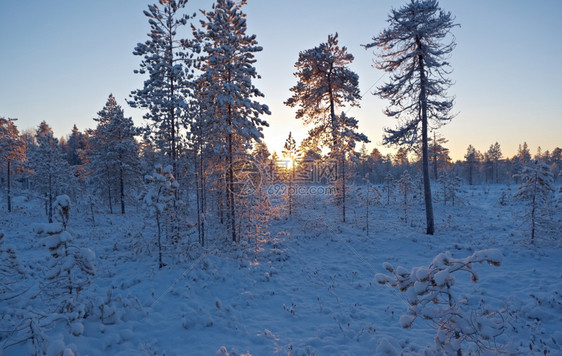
{"x": 288, "y": 163}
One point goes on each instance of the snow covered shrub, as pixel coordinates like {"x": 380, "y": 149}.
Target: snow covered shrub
{"x": 256, "y": 213}
{"x": 159, "y": 198}
{"x": 61, "y": 210}
{"x": 11, "y": 272}
{"x": 15, "y": 324}
{"x": 428, "y": 291}
{"x": 537, "y": 192}
{"x": 71, "y": 267}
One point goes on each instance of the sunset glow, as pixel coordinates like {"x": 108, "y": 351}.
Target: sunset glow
{"x": 494, "y": 92}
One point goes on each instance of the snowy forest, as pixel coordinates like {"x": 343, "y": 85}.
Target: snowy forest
{"x": 187, "y": 235}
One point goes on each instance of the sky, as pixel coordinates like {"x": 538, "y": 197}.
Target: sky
{"x": 60, "y": 60}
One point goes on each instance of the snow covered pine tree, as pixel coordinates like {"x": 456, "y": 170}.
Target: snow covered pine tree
{"x": 51, "y": 170}
{"x": 167, "y": 62}
{"x": 233, "y": 114}
{"x": 114, "y": 154}
{"x": 12, "y": 150}
{"x": 325, "y": 84}
{"x": 290, "y": 153}
{"x": 536, "y": 191}
{"x": 412, "y": 50}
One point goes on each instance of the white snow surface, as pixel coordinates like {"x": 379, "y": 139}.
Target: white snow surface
{"x": 311, "y": 290}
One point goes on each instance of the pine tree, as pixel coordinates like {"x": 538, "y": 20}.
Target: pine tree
{"x": 388, "y": 187}
{"x": 405, "y": 188}
{"x": 167, "y": 62}
{"x": 233, "y": 115}
{"x": 257, "y": 211}
{"x": 491, "y": 162}
{"x": 114, "y": 153}
{"x": 326, "y": 85}
{"x": 159, "y": 198}
{"x": 438, "y": 154}
{"x": 12, "y": 150}
{"x": 536, "y": 190}
{"x": 260, "y": 153}
{"x": 371, "y": 195}
{"x": 51, "y": 171}
{"x": 524, "y": 153}
{"x": 74, "y": 147}
{"x": 451, "y": 186}
{"x": 199, "y": 144}
{"x": 401, "y": 158}
{"x": 472, "y": 158}
{"x": 347, "y": 138}
{"x": 412, "y": 49}
{"x": 290, "y": 153}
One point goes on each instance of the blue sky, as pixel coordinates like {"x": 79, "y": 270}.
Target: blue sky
{"x": 60, "y": 60}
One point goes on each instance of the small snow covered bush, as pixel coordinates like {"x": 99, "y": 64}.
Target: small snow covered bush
{"x": 61, "y": 209}
{"x": 71, "y": 267}
{"x": 427, "y": 290}
{"x": 11, "y": 272}
{"x": 159, "y": 198}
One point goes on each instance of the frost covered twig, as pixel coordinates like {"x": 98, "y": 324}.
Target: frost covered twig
{"x": 428, "y": 292}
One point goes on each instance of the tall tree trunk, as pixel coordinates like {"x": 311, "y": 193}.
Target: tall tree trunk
{"x": 229, "y": 192}
{"x": 122, "y": 189}
{"x": 230, "y": 185}
{"x": 198, "y": 197}
{"x": 9, "y": 186}
{"x": 425, "y": 159}
{"x": 160, "y": 263}
{"x": 50, "y": 198}
{"x": 172, "y": 108}
{"x": 221, "y": 191}
{"x": 109, "y": 197}
{"x": 367, "y": 205}
{"x": 533, "y": 208}
{"x": 434, "y": 155}
{"x": 203, "y": 199}
{"x": 200, "y": 187}
{"x": 291, "y": 181}
{"x": 201, "y": 207}
{"x": 343, "y": 184}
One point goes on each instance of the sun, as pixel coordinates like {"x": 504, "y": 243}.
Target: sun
{"x": 288, "y": 163}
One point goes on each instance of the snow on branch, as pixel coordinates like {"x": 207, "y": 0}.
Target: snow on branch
{"x": 428, "y": 291}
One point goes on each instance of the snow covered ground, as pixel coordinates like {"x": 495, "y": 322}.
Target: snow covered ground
{"x": 310, "y": 290}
